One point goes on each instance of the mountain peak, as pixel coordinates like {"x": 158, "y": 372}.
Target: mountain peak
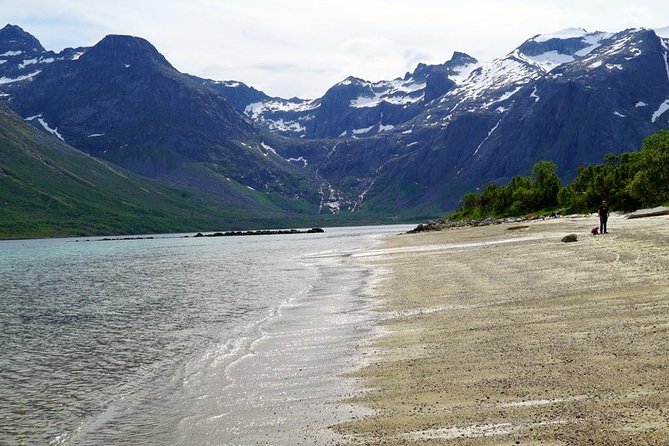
{"x": 459, "y": 58}
{"x": 13, "y": 38}
{"x": 125, "y": 49}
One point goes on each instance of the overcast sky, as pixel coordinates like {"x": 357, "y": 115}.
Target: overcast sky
{"x": 302, "y": 47}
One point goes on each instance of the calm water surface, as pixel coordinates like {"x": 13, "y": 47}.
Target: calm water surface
{"x": 102, "y": 340}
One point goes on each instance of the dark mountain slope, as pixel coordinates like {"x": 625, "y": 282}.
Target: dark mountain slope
{"x": 123, "y": 102}
{"x": 573, "y": 107}
{"x": 48, "y": 188}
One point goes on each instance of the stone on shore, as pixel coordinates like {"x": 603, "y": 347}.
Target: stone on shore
{"x": 570, "y": 238}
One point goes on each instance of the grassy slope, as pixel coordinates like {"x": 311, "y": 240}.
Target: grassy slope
{"x": 50, "y": 189}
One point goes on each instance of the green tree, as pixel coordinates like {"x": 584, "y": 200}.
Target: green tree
{"x": 627, "y": 181}
{"x": 650, "y": 184}
{"x": 546, "y": 183}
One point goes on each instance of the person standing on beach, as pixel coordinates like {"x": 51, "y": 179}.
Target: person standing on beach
{"x": 603, "y": 212}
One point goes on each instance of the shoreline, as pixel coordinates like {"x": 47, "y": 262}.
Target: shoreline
{"x": 497, "y": 335}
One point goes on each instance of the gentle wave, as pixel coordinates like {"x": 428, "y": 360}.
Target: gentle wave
{"x": 130, "y": 342}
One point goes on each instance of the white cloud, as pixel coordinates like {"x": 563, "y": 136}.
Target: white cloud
{"x": 302, "y": 47}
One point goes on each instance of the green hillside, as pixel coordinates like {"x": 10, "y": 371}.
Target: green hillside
{"x": 48, "y": 188}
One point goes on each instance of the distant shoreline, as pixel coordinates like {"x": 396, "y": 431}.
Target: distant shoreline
{"x": 216, "y": 234}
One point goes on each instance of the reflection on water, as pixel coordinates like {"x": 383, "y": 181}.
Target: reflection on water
{"x": 97, "y": 337}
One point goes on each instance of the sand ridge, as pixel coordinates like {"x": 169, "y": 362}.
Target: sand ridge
{"x": 499, "y": 336}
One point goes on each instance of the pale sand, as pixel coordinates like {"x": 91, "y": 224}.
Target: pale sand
{"x": 506, "y": 335}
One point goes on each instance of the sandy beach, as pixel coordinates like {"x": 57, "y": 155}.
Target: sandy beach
{"x": 503, "y": 334}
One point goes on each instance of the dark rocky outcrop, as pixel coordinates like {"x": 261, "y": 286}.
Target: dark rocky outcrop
{"x": 262, "y": 232}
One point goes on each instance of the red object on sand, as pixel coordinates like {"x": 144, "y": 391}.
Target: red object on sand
{"x": 595, "y": 230}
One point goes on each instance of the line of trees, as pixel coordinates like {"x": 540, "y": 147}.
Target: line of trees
{"x": 627, "y": 182}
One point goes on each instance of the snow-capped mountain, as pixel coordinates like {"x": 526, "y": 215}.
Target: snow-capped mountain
{"x": 570, "y": 97}
{"x": 416, "y": 142}
{"x": 354, "y": 107}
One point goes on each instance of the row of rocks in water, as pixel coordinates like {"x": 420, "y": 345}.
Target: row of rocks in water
{"x": 440, "y": 225}
{"x": 261, "y": 232}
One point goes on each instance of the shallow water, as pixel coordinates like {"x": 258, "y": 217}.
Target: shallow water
{"x": 229, "y": 340}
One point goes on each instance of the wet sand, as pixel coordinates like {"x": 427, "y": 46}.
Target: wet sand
{"x": 505, "y": 335}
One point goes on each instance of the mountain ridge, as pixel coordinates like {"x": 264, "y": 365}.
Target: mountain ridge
{"x": 412, "y": 144}
{"x": 122, "y": 101}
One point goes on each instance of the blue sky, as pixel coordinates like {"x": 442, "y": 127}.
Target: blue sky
{"x": 301, "y": 47}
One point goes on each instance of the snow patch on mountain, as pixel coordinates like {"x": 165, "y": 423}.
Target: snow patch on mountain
{"x": 553, "y": 58}
{"x": 619, "y": 45}
{"x": 283, "y": 126}
{"x": 27, "y": 62}
{"x": 567, "y": 33}
{"x": 30, "y": 118}
{"x": 462, "y": 73}
{"x": 487, "y": 137}
{"x": 397, "y": 92}
{"x": 298, "y": 160}
{"x": 231, "y": 84}
{"x": 665, "y": 44}
{"x": 268, "y": 148}
{"x": 53, "y": 131}
{"x": 534, "y": 94}
{"x": 256, "y": 109}
{"x": 506, "y": 95}
{"x": 661, "y": 109}
{"x": 500, "y": 74}
{"x": 548, "y": 60}
{"x": 11, "y": 53}
{"x": 45, "y": 126}
{"x": 6, "y": 80}
{"x": 363, "y": 130}
{"x": 594, "y": 41}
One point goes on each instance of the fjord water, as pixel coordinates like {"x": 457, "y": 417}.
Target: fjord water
{"x": 172, "y": 340}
